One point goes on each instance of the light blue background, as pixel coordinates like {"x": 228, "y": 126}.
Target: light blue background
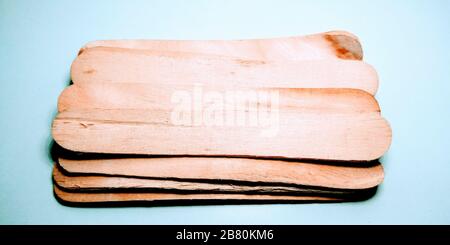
{"x": 407, "y": 42}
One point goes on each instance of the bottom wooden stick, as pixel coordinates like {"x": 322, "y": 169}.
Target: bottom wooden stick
{"x": 86, "y": 183}
{"x": 115, "y": 197}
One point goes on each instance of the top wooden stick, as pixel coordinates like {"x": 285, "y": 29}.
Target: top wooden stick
{"x": 117, "y": 65}
{"x": 328, "y": 45}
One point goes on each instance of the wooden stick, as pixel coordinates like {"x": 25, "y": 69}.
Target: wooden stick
{"x": 93, "y": 197}
{"x": 306, "y": 135}
{"x": 113, "y": 65}
{"x": 123, "y": 184}
{"x": 231, "y": 169}
{"x": 145, "y": 96}
{"x": 328, "y": 45}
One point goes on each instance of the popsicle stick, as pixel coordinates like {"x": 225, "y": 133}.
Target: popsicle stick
{"x": 213, "y": 169}
{"x": 328, "y": 45}
{"x": 93, "y": 197}
{"x": 113, "y": 65}
{"x": 146, "y": 96}
{"x": 112, "y": 183}
{"x": 306, "y": 135}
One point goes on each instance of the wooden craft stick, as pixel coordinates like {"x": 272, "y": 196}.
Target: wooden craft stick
{"x": 328, "y": 45}
{"x": 146, "y": 96}
{"x": 123, "y": 184}
{"x": 111, "y": 65}
{"x": 93, "y": 197}
{"x": 306, "y": 135}
{"x": 232, "y": 169}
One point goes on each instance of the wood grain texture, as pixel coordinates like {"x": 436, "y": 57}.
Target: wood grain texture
{"x": 113, "y": 183}
{"x": 232, "y": 169}
{"x": 306, "y": 135}
{"x": 146, "y": 96}
{"x": 111, "y": 65}
{"x": 328, "y": 45}
{"x": 89, "y": 197}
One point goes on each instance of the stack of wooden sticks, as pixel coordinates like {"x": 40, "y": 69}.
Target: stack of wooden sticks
{"x": 157, "y": 121}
